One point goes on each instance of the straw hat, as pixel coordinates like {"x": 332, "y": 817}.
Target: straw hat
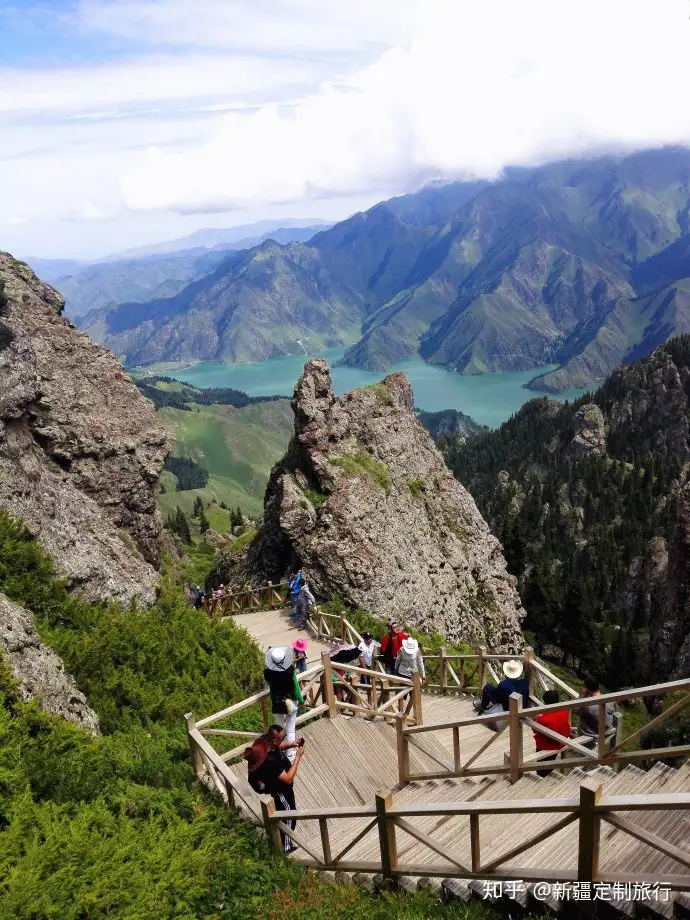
{"x": 512, "y": 669}
{"x": 256, "y": 754}
{"x": 300, "y": 645}
{"x": 410, "y": 646}
{"x": 279, "y": 658}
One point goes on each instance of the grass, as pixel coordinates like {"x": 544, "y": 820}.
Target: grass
{"x": 316, "y": 498}
{"x": 363, "y": 465}
{"x": 416, "y": 487}
{"x": 381, "y": 392}
{"x": 238, "y": 447}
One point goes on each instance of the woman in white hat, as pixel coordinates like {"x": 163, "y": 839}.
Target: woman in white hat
{"x": 513, "y": 682}
{"x": 409, "y": 659}
{"x": 281, "y": 677}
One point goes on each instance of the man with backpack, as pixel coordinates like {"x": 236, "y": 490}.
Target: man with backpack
{"x": 295, "y": 585}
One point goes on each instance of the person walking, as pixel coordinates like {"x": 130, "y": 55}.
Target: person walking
{"x": 271, "y": 772}
{"x": 281, "y": 677}
{"x": 409, "y": 660}
{"x": 305, "y": 600}
{"x": 589, "y": 715}
{"x": 294, "y": 585}
{"x": 558, "y": 721}
{"x": 367, "y": 653}
{"x": 391, "y": 644}
{"x": 299, "y": 647}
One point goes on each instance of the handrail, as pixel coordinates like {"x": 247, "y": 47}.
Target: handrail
{"x": 608, "y": 745}
{"x": 250, "y": 600}
{"x": 586, "y": 811}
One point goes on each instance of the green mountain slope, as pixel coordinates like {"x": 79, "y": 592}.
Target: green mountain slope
{"x": 591, "y": 501}
{"x": 546, "y": 265}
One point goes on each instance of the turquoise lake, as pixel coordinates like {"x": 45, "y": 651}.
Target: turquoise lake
{"x": 490, "y": 399}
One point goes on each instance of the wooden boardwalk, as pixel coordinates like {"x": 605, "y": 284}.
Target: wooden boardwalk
{"x": 348, "y": 760}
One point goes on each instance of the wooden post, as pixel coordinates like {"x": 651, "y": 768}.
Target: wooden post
{"x": 389, "y": 852}
{"x": 264, "y": 713}
{"x": 456, "y": 749}
{"x": 197, "y": 762}
{"x": 474, "y": 842}
{"x": 343, "y": 630}
{"x": 618, "y": 737}
{"x": 527, "y": 657}
{"x": 515, "y": 730}
{"x": 481, "y": 651}
{"x": 268, "y": 809}
{"x": 373, "y": 695}
{"x": 461, "y": 674}
{"x": 328, "y": 688}
{"x": 230, "y": 792}
{"x": 417, "y": 698}
{"x": 325, "y": 841}
{"x": 403, "y": 748}
{"x": 589, "y": 828}
{"x": 443, "y": 679}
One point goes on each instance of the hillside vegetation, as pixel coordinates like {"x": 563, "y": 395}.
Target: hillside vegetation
{"x": 591, "y": 503}
{"x": 115, "y": 826}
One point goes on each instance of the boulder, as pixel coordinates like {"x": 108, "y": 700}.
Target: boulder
{"x": 39, "y": 671}
{"x": 365, "y": 504}
{"x": 81, "y": 450}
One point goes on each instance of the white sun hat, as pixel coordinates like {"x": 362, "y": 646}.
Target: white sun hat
{"x": 512, "y": 669}
{"x": 279, "y": 658}
{"x": 410, "y": 646}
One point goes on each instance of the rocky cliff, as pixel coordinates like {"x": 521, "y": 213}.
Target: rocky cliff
{"x": 38, "y": 670}
{"x": 365, "y": 504}
{"x": 80, "y": 449}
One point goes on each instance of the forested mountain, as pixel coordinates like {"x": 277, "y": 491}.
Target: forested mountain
{"x": 591, "y": 501}
{"x": 581, "y": 263}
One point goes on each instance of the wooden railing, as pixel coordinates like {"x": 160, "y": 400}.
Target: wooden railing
{"x": 608, "y": 747}
{"x": 327, "y": 688}
{"x": 384, "y": 820}
{"x": 249, "y": 600}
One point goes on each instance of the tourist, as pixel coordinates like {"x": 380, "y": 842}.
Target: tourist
{"x": 367, "y": 649}
{"x": 558, "y": 721}
{"x": 286, "y": 695}
{"x": 305, "y": 600}
{"x": 391, "y": 644}
{"x": 272, "y": 772}
{"x": 294, "y": 585}
{"x": 198, "y": 600}
{"x": 299, "y": 647}
{"x": 589, "y": 715}
{"x": 512, "y": 682}
{"x": 409, "y": 659}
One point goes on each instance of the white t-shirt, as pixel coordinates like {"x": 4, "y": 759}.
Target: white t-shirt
{"x": 368, "y": 651}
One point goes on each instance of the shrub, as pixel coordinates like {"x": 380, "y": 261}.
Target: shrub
{"x": 416, "y": 487}
{"x": 363, "y": 464}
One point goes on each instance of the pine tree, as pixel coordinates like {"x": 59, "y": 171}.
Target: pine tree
{"x": 182, "y": 526}
{"x": 198, "y": 507}
{"x": 236, "y": 517}
{"x": 203, "y": 521}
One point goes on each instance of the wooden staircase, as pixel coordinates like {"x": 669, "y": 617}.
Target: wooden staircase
{"x": 451, "y": 833}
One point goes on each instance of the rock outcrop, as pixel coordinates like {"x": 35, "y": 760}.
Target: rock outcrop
{"x": 365, "y": 504}
{"x": 80, "y": 450}
{"x": 38, "y": 670}
{"x": 589, "y": 436}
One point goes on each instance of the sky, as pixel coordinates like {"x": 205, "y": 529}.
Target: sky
{"x": 126, "y": 122}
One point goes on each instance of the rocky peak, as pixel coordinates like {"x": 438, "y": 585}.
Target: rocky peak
{"x": 589, "y": 436}
{"x": 364, "y": 503}
{"x": 80, "y": 450}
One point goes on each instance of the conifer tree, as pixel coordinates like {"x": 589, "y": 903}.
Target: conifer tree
{"x": 203, "y": 521}
{"x": 182, "y": 526}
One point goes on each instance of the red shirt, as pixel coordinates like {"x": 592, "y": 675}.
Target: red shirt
{"x": 557, "y": 721}
{"x": 391, "y": 645}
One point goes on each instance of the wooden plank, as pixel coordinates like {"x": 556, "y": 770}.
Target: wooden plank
{"x": 475, "y": 842}
{"x": 355, "y": 840}
{"x": 267, "y": 811}
{"x": 609, "y": 803}
{"x": 328, "y": 689}
{"x": 325, "y": 841}
{"x": 487, "y": 744}
{"x": 430, "y": 843}
{"x": 515, "y": 730}
{"x": 528, "y": 844}
{"x": 646, "y": 836}
{"x": 501, "y": 807}
{"x": 403, "y": 749}
{"x": 294, "y": 835}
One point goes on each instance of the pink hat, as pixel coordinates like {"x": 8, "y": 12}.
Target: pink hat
{"x": 299, "y": 645}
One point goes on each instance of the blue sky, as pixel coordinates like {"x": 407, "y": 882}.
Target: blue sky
{"x": 130, "y": 121}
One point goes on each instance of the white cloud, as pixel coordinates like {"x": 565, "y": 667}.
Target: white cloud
{"x": 301, "y": 106}
{"x": 479, "y": 86}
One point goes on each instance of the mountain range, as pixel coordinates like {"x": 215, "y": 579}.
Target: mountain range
{"x": 162, "y": 269}
{"x": 581, "y": 264}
